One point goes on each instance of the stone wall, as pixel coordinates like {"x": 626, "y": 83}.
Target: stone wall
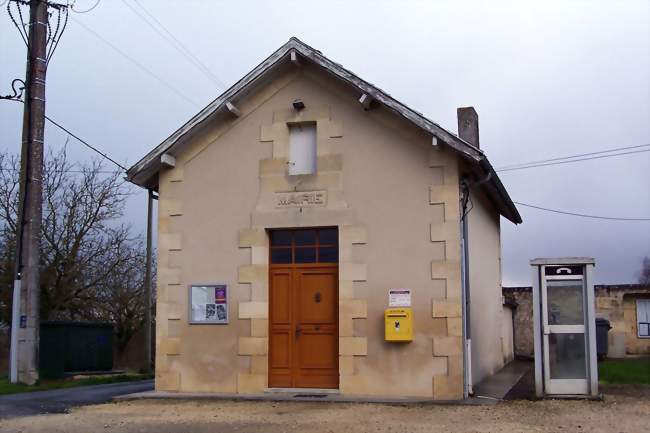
{"x": 616, "y": 303}
{"x": 521, "y": 300}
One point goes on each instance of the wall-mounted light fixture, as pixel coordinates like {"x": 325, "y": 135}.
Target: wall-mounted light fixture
{"x": 298, "y": 104}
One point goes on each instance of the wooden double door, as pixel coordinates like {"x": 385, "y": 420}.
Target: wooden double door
{"x": 303, "y": 309}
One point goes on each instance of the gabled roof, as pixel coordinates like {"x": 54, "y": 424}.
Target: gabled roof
{"x": 147, "y": 168}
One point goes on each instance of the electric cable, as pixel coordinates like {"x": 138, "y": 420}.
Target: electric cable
{"x": 57, "y": 36}
{"x": 53, "y": 38}
{"x": 175, "y": 43}
{"x": 181, "y": 45}
{"x": 71, "y": 5}
{"x": 23, "y": 33}
{"x": 580, "y": 214}
{"x": 573, "y": 158}
{"x": 136, "y": 63}
{"x": 516, "y": 202}
{"x": 68, "y": 171}
{"x": 90, "y": 146}
{"x": 81, "y": 140}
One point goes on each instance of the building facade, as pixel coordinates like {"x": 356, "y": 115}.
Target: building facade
{"x": 290, "y": 207}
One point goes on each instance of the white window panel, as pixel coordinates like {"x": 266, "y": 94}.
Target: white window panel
{"x": 302, "y": 149}
{"x": 643, "y": 317}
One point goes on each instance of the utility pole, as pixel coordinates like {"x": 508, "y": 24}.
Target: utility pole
{"x": 25, "y": 330}
{"x": 147, "y": 282}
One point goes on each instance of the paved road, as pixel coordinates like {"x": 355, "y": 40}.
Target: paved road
{"x": 60, "y": 400}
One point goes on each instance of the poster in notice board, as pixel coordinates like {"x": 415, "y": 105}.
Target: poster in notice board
{"x": 209, "y": 304}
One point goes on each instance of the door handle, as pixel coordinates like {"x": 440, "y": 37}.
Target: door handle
{"x": 298, "y": 331}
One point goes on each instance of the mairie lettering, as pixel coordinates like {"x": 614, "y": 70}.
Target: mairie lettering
{"x": 301, "y": 199}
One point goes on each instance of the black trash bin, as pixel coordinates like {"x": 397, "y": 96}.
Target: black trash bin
{"x": 602, "y": 344}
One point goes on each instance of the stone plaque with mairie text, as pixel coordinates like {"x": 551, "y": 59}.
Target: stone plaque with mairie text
{"x": 300, "y": 199}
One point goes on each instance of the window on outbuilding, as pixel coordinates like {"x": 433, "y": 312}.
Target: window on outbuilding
{"x": 302, "y": 148}
{"x": 643, "y": 318}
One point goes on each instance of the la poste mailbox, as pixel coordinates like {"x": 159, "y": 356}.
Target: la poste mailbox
{"x": 398, "y": 320}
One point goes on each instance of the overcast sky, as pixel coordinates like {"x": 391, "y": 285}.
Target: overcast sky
{"x": 547, "y": 79}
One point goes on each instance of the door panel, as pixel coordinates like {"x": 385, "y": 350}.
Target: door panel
{"x": 564, "y": 340}
{"x": 281, "y": 305}
{"x": 316, "y": 346}
{"x": 316, "y": 297}
{"x": 303, "y": 327}
{"x": 280, "y": 328}
{"x": 311, "y": 348}
{"x": 280, "y": 359}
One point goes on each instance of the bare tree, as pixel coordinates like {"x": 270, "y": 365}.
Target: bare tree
{"x": 92, "y": 267}
{"x": 121, "y": 296}
{"x": 644, "y": 274}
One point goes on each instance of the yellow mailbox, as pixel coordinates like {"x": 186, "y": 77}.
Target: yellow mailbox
{"x": 398, "y": 324}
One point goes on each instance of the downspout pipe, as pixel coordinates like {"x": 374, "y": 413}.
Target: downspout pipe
{"x": 464, "y": 280}
{"x": 465, "y": 273}
{"x": 147, "y": 282}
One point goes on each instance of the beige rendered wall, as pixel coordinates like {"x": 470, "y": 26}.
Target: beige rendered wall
{"x": 507, "y": 335}
{"x": 485, "y": 288}
{"x": 395, "y": 201}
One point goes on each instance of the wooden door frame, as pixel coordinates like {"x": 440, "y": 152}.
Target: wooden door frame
{"x": 292, "y": 267}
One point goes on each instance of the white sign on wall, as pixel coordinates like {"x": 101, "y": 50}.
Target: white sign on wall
{"x": 399, "y": 297}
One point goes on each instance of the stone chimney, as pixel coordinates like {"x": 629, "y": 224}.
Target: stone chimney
{"x": 468, "y": 125}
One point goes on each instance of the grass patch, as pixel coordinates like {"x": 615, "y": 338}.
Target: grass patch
{"x": 7, "y": 387}
{"x": 625, "y": 371}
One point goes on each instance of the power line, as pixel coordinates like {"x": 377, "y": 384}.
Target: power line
{"x": 136, "y": 63}
{"x": 81, "y": 140}
{"x": 87, "y": 10}
{"x": 86, "y": 144}
{"x": 183, "y": 47}
{"x": 574, "y": 158}
{"x": 581, "y": 214}
{"x": 21, "y": 30}
{"x": 56, "y": 36}
{"x": 68, "y": 171}
{"x": 175, "y": 43}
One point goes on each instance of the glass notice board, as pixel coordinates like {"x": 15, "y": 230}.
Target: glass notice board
{"x": 209, "y": 304}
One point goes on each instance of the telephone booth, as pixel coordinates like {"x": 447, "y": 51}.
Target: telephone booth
{"x": 564, "y": 327}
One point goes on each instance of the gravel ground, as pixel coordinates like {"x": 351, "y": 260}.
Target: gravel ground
{"x": 622, "y": 411}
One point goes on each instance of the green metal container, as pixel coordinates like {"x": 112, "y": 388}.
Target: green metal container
{"x": 67, "y": 347}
